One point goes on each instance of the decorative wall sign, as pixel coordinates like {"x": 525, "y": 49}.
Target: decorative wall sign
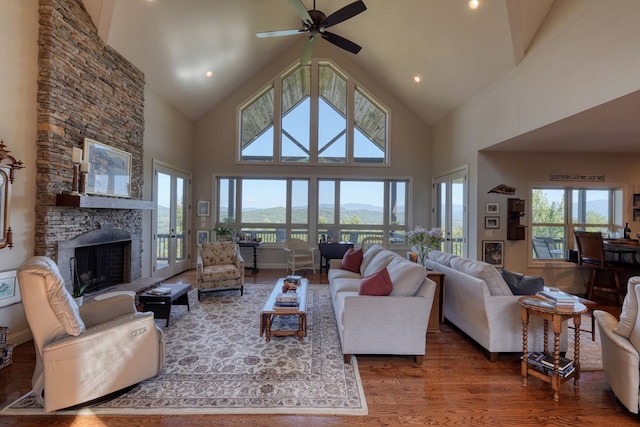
{"x": 9, "y": 289}
{"x": 502, "y": 189}
{"x": 109, "y": 169}
{"x": 576, "y": 177}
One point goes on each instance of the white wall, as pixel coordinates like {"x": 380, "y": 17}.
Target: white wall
{"x": 18, "y": 124}
{"x": 585, "y": 54}
{"x": 216, "y": 139}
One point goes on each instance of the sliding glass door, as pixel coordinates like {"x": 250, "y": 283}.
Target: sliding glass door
{"x": 171, "y": 236}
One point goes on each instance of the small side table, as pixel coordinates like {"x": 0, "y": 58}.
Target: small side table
{"x": 254, "y": 246}
{"x": 532, "y": 306}
{"x": 437, "y": 312}
{"x": 329, "y": 251}
{"x": 160, "y": 305}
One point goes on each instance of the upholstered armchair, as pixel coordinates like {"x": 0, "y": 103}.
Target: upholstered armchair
{"x": 300, "y": 255}
{"x": 220, "y": 267}
{"x": 620, "y": 342}
{"x": 84, "y": 353}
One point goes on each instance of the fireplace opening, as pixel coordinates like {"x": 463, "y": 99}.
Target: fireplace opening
{"x": 101, "y": 266}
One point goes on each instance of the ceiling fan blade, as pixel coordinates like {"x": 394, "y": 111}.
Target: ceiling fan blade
{"x": 341, "y": 42}
{"x": 305, "y": 58}
{"x": 301, "y": 11}
{"x": 347, "y": 12}
{"x": 279, "y": 33}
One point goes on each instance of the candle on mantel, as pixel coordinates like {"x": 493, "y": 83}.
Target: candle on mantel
{"x": 85, "y": 167}
{"x": 77, "y": 155}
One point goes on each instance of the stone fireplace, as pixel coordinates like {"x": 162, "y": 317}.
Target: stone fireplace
{"x": 102, "y": 259}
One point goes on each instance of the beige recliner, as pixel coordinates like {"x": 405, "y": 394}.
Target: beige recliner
{"x": 219, "y": 267}
{"x": 84, "y": 353}
{"x": 620, "y": 342}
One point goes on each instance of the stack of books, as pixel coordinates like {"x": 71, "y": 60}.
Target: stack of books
{"x": 557, "y": 297}
{"x": 286, "y": 301}
{"x": 160, "y": 291}
{"x": 543, "y": 362}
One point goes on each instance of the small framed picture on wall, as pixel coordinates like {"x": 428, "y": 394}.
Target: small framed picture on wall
{"x": 493, "y": 252}
{"x": 204, "y": 208}
{"x": 202, "y": 236}
{"x": 491, "y": 222}
{"x": 492, "y": 208}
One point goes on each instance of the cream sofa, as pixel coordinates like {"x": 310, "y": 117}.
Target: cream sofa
{"x": 394, "y": 324}
{"x": 620, "y": 342}
{"x": 480, "y": 303}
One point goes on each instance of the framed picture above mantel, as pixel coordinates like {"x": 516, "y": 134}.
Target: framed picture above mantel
{"x": 109, "y": 171}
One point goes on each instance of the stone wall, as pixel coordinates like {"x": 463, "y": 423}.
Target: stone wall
{"x": 85, "y": 89}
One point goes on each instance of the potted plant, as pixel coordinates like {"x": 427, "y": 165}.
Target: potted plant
{"x": 223, "y": 234}
{"x": 78, "y": 292}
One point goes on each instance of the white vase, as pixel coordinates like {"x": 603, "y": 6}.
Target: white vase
{"x": 78, "y": 300}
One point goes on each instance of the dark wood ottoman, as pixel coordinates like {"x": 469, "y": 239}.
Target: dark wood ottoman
{"x": 160, "y": 304}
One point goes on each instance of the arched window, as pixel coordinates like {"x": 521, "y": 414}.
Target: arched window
{"x": 314, "y": 114}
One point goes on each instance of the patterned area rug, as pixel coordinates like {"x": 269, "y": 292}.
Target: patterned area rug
{"x": 218, "y": 364}
{"x": 590, "y": 352}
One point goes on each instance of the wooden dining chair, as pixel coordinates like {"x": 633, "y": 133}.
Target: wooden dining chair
{"x": 592, "y": 254}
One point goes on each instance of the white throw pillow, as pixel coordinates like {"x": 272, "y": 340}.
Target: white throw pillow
{"x": 406, "y": 276}
{"x": 484, "y": 271}
{"x": 629, "y": 309}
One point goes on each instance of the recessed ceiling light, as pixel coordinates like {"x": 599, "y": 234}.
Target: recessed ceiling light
{"x": 473, "y": 4}
{"x": 417, "y": 79}
{"x": 209, "y": 73}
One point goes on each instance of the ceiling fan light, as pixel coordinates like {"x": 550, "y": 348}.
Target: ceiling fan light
{"x": 473, "y": 4}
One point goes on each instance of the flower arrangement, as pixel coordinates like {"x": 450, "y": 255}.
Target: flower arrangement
{"x": 424, "y": 240}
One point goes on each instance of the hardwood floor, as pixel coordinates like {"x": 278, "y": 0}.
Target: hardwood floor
{"x": 456, "y": 385}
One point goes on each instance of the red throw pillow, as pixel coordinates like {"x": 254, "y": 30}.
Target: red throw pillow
{"x": 378, "y": 284}
{"x": 351, "y": 260}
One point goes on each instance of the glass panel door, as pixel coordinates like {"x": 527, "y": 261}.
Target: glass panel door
{"x": 171, "y": 237}
{"x": 450, "y": 209}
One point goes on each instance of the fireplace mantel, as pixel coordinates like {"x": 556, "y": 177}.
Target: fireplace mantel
{"x": 78, "y": 201}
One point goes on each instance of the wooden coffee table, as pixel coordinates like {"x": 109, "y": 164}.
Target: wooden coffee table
{"x": 269, "y": 313}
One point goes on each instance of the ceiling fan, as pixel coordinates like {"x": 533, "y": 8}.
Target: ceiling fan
{"x": 315, "y": 24}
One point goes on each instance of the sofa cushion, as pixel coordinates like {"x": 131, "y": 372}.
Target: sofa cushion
{"x": 351, "y": 260}
{"x": 406, "y": 276}
{"x": 634, "y": 337}
{"x": 629, "y": 309}
{"x": 521, "y": 284}
{"x": 443, "y": 258}
{"x": 369, "y": 255}
{"x": 378, "y": 284}
{"x": 379, "y": 261}
{"x": 484, "y": 271}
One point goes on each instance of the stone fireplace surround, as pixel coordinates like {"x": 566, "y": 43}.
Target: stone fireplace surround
{"x": 107, "y": 234}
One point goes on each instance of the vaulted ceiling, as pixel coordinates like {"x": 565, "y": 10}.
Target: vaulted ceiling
{"x": 455, "y": 50}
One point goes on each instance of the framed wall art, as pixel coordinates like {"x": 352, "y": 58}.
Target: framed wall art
{"x": 9, "y": 289}
{"x": 204, "y": 208}
{"x": 492, "y": 208}
{"x": 109, "y": 171}
{"x": 491, "y": 222}
{"x": 202, "y": 236}
{"x": 493, "y": 252}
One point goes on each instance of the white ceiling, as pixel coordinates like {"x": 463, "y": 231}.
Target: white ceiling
{"x": 455, "y": 50}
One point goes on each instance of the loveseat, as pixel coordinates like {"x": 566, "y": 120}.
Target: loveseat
{"x": 620, "y": 342}
{"x": 480, "y": 303}
{"x": 371, "y": 324}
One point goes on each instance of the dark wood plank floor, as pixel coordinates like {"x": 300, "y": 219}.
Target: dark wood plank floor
{"x": 456, "y": 386}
